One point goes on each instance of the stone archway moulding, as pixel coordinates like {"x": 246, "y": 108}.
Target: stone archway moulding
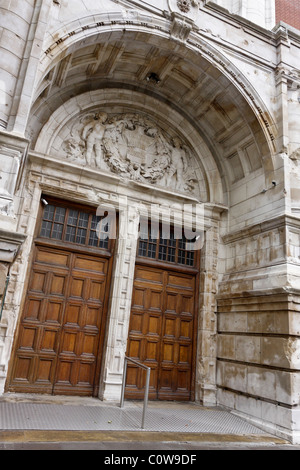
{"x": 91, "y": 29}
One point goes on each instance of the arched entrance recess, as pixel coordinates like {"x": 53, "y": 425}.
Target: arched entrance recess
{"x": 153, "y": 82}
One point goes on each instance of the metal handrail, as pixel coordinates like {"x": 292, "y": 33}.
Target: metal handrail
{"x": 148, "y": 369}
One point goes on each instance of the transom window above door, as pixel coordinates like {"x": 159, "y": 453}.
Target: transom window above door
{"x": 164, "y": 243}
{"x": 74, "y": 225}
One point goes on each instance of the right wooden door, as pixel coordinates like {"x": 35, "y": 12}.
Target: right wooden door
{"x": 161, "y": 333}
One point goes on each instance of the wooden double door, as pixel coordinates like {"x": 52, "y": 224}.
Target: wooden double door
{"x": 61, "y": 332}
{"x": 162, "y": 333}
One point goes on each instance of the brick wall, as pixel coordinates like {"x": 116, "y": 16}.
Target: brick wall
{"x": 289, "y": 12}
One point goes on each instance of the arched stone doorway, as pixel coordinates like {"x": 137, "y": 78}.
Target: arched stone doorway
{"x": 145, "y": 81}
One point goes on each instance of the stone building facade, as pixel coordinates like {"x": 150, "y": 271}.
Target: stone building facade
{"x": 184, "y": 115}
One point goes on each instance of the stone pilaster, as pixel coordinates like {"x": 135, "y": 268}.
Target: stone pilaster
{"x": 120, "y": 304}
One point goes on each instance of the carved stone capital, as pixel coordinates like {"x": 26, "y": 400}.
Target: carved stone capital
{"x": 295, "y": 156}
{"x": 10, "y": 244}
{"x": 13, "y": 152}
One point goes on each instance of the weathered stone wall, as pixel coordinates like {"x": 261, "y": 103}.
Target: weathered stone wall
{"x": 259, "y": 323}
{"x": 262, "y": 13}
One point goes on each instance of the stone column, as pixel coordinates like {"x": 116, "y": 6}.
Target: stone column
{"x": 12, "y": 158}
{"x": 15, "y": 20}
{"x": 120, "y": 304}
{"x": 10, "y": 244}
{"x": 206, "y": 390}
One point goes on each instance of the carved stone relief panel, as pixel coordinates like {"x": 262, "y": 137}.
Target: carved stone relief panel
{"x": 132, "y": 147}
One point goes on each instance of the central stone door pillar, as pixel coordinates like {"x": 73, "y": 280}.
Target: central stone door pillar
{"x": 120, "y": 303}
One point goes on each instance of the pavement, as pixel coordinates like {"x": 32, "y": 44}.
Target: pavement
{"x": 43, "y": 422}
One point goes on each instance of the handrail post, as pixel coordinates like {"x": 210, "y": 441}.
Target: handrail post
{"x": 148, "y": 369}
{"x": 146, "y": 397}
{"x": 123, "y": 382}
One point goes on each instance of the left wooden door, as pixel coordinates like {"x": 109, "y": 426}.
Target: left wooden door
{"x": 60, "y": 338}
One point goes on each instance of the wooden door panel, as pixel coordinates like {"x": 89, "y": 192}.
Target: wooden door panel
{"x": 136, "y": 322}
{"x": 170, "y": 325}
{"x": 33, "y": 309}
{"x": 149, "y": 274}
{"x": 48, "y": 341}
{"x": 155, "y": 300}
{"x": 183, "y": 381}
{"x": 135, "y": 348}
{"x": 161, "y": 333}
{"x": 138, "y": 297}
{"x": 96, "y": 289}
{"x": 85, "y": 376}
{"x": 22, "y": 368}
{"x": 38, "y": 282}
{"x": 53, "y": 257}
{"x": 28, "y": 338}
{"x": 151, "y": 351}
{"x": 77, "y": 288}
{"x": 178, "y": 280}
{"x": 59, "y": 335}
{"x": 187, "y": 304}
{"x": 171, "y": 302}
{"x": 57, "y": 285}
{"x": 168, "y": 353}
{"x": 65, "y": 374}
{"x": 88, "y": 264}
{"x": 44, "y": 371}
{"x": 69, "y": 341}
{"x": 92, "y": 317}
{"x": 72, "y": 313}
{"x": 166, "y": 380}
{"x": 153, "y": 324}
{"x": 53, "y": 312}
{"x": 133, "y": 379}
{"x": 186, "y": 328}
{"x": 184, "y": 354}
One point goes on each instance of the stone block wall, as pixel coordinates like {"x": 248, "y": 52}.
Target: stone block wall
{"x": 258, "y": 358}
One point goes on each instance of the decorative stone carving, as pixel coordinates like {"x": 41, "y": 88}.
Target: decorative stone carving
{"x": 187, "y": 8}
{"x": 295, "y": 156}
{"x": 10, "y": 244}
{"x": 133, "y": 147}
{"x": 12, "y": 157}
{"x": 184, "y": 13}
{"x": 186, "y": 5}
{"x": 180, "y": 27}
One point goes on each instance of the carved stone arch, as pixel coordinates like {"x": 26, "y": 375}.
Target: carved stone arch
{"x": 244, "y": 87}
{"x": 75, "y": 34}
{"x": 155, "y": 32}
